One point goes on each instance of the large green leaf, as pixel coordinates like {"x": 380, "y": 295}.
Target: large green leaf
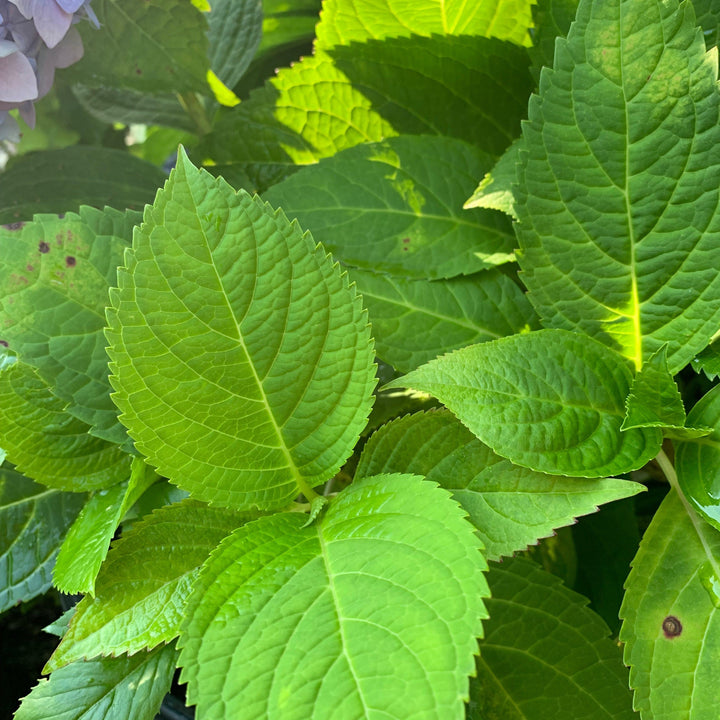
{"x": 396, "y": 206}
{"x": 33, "y": 522}
{"x": 121, "y": 105}
{"x": 545, "y": 654}
{"x": 124, "y": 687}
{"x": 88, "y": 540}
{"x": 469, "y": 88}
{"x": 511, "y": 507}
{"x": 370, "y": 612}
{"x": 414, "y": 321}
{"x": 149, "y": 45}
{"x": 242, "y": 358}
{"x": 54, "y": 279}
{"x": 551, "y": 400}
{"x": 234, "y": 33}
{"x": 671, "y": 614}
{"x": 698, "y": 459}
{"x": 48, "y": 444}
{"x": 345, "y": 22}
{"x": 62, "y": 180}
{"x": 142, "y": 588}
{"x": 617, "y": 197}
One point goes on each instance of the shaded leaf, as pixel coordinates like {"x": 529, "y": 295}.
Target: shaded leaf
{"x": 148, "y": 45}
{"x": 33, "y": 522}
{"x": 244, "y": 388}
{"x": 549, "y": 400}
{"x": 63, "y": 180}
{"x": 414, "y": 321}
{"x": 396, "y": 206}
{"x": 511, "y": 507}
{"x": 617, "y": 201}
{"x": 50, "y": 445}
{"x": 328, "y": 620}
{"x": 698, "y": 459}
{"x": 545, "y": 654}
{"x": 671, "y": 616}
{"x": 55, "y": 274}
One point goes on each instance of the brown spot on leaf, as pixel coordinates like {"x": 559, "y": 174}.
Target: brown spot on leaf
{"x": 672, "y": 627}
{"x": 43, "y": 247}
{"x": 4, "y": 343}
{"x": 14, "y": 226}
{"x": 29, "y": 267}
{"x": 70, "y": 261}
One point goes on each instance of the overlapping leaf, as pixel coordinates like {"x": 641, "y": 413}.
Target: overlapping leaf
{"x": 127, "y": 687}
{"x": 234, "y": 33}
{"x": 88, "y": 540}
{"x": 617, "y": 200}
{"x": 495, "y": 191}
{"x": 371, "y": 91}
{"x": 33, "y": 522}
{"x": 50, "y": 445}
{"x": 359, "y": 20}
{"x": 542, "y": 644}
{"x": 54, "y": 279}
{"x": 242, "y": 359}
{"x": 396, "y": 207}
{"x": 511, "y": 507}
{"x": 149, "y": 45}
{"x": 142, "y": 588}
{"x": 371, "y": 611}
{"x": 671, "y": 614}
{"x": 551, "y": 400}
{"x": 698, "y": 459}
{"x": 62, "y": 180}
{"x": 414, "y": 321}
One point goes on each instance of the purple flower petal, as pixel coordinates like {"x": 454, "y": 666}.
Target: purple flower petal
{"x": 68, "y": 51}
{"x": 24, "y": 6}
{"x": 51, "y": 21}
{"x": 9, "y": 129}
{"x": 70, "y": 6}
{"x": 17, "y": 78}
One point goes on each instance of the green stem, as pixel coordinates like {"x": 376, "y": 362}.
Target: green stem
{"x": 194, "y": 108}
{"x": 698, "y": 523}
{"x": 306, "y": 490}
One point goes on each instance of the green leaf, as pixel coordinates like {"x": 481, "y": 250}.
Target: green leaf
{"x": 511, "y": 507}
{"x": 329, "y": 620}
{"x": 550, "y": 400}
{"x": 241, "y": 357}
{"x": 62, "y": 180}
{"x": 414, "y": 321}
{"x": 396, "y": 206}
{"x": 708, "y": 361}
{"x": 708, "y": 17}
{"x": 552, "y": 20}
{"x": 88, "y": 540}
{"x": 142, "y": 588}
{"x": 234, "y": 32}
{"x": 148, "y": 45}
{"x": 125, "y": 687}
{"x": 698, "y": 459}
{"x": 545, "y": 654}
{"x": 50, "y": 445}
{"x": 671, "y": 627}
{"x": 617, "y": 199}
{"x": 372, "y": 91}
{"x": 343, "y": 22}
{"x": 54, "y": 279}
{"x": 33, "y": 522}
{"x": 655, "y": 401}
{"x": 114, "y": 105}
{"x": 495, "y": 191}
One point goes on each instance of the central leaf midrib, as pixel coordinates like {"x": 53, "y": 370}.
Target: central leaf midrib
{"x": 263, "y": 396}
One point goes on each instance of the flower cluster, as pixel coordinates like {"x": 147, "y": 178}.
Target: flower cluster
{"x": 36, "y": 37}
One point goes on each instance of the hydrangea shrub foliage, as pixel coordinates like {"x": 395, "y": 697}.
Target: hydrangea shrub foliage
{"x": 318, "y": 425}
